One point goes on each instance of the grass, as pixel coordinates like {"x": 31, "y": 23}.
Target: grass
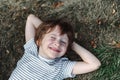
{"x": 110, "y": 68}
{"x": 110, "y": 58}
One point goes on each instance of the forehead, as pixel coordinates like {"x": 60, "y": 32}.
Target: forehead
{"x": 57, "y": 31}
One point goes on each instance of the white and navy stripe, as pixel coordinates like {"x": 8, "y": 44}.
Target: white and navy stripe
{"x": 32, "y": 67}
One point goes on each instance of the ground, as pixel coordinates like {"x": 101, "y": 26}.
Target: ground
{"x": 96, "y": 24}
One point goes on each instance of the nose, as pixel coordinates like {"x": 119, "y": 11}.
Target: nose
{"x": 57, "y": 43}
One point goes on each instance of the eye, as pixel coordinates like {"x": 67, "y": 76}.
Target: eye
{"x": 52, "y": 37}
{"x": 63, "y": 43}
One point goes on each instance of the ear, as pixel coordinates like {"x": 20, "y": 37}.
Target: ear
{"x": 38, "y": 42}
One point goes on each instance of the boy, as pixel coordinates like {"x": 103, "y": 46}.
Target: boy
{"x": 46, "y": 43}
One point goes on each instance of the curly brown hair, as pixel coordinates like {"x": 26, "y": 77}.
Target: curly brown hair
{"x": 48, "y": 26}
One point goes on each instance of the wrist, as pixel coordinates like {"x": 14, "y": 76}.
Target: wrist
{"x": 74, "y": 45}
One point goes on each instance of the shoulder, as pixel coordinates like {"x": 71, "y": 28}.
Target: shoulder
{"x": 31, "y": 47}
{"x": 29, "y": 43}
{"x": 67, "y": 67}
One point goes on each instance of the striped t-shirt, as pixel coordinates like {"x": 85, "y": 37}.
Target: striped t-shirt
{"x": 34, "y": 67}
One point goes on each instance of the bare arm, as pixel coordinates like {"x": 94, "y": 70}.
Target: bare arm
{"x": 31, "y": 23}
{"x": 89, "y": 63}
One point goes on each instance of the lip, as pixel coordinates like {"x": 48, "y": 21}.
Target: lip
{"x": 54, "y": 49}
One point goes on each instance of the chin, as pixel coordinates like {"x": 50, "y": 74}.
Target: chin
{"x": 53, "y": 57}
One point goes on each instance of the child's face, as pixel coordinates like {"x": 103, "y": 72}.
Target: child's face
{"x": 53, "y": 44}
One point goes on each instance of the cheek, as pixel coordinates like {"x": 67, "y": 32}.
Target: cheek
{"x": 47, "y": 42}
{"x": 64, "y": 48}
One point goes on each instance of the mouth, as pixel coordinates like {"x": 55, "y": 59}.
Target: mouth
{"x": 54, "y": 49}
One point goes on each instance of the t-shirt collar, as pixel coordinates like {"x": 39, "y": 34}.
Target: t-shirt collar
{"x": 46, "y": 60}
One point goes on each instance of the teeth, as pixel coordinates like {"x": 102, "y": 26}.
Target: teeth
{"x": 54, "y": 49}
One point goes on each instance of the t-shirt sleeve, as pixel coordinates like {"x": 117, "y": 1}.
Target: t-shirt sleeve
{"x": 31, "y": 47}
{"x": 69, "y": 68}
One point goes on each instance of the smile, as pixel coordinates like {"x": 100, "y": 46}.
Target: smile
{"x": 54, "y": 49}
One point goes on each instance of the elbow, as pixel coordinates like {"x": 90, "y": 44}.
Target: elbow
{"x": 30, "y": 16}
{"x": 97, "y": 65}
